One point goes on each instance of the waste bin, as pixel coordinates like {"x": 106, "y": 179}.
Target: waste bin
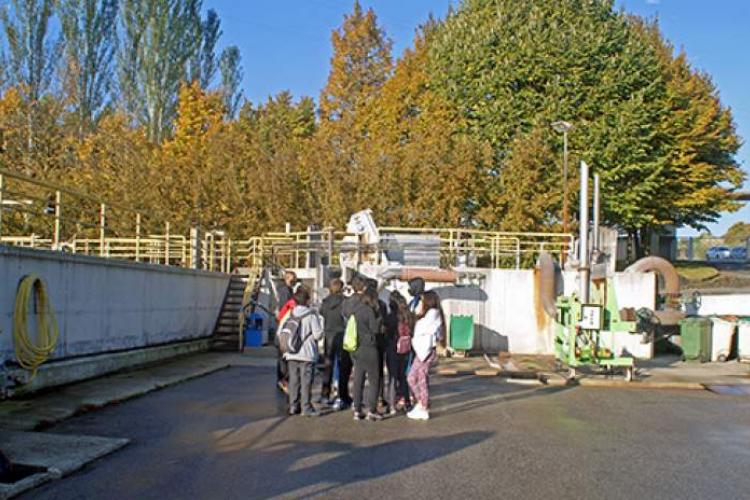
{"x": 743, "y": 340}
{"x": 722, "y": 334}
{"x": 462, "y": 332}
{"x": 253, "y": 333}
{"x": 696, "y": 339}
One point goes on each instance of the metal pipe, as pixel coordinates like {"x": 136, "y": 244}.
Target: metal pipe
{"x": 58, "y": 213}
{"x": 102, "y": 223}
{"x": 583, "y": 241}
{"x": 595, "y": 234}
{"x": 138, "y": 237}
{"x": 166, "y": 243}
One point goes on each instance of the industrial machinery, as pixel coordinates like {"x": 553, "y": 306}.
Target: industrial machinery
{"x": 589, "y": 333}
{"x": 589, "y": 327}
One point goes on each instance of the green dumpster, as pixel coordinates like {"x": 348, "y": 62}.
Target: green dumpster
{"x": 462, "y": 332}
{"x": 696, "y": 339}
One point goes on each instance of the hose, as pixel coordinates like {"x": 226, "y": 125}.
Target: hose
{"x": 30, "y": 354}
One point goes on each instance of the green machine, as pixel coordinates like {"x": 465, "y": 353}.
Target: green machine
{"x": 585, "y": 332}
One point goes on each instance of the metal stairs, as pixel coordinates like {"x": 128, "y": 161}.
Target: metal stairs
{"x": 226, "y": 336}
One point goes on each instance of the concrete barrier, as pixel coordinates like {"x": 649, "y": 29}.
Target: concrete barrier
{"x": 106, "y": 306}
{"x": 508, "y": 315}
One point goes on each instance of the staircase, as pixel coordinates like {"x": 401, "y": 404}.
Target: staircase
{"x": 227, "y": 330}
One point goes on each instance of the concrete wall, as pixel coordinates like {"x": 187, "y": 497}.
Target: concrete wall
{"x": 737, "y": 304}
{"x": 508, "y": 315}
{"x": 108, "y": 305}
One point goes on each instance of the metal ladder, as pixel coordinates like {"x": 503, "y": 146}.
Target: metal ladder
{"x": 227, "y": 331}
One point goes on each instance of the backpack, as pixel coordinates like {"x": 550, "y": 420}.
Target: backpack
{"x": 350, "y": 336}
{"x": 403, "y": 341}
{"x": 290, "y": 337}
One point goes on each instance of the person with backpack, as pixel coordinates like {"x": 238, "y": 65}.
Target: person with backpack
{"x": 285, "y": 304}
{"x": 333, "y": 327}
{"x": 299, "y": 340}
{"x": 399, "y": 326}
{"x": 429, "y": 330}
{"x": 361, "y": 338}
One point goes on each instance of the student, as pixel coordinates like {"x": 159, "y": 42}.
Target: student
{"x": 334, "y": 326}
{"x": 381, "y": 312}
{"x": 366, "y": 356}
{"x": 346, "y": 365}
{"x": 301, "y": 364}
{"x": 399, "y": 326}
{"x": 285, "y": 303}
{"x": 428, "y": 331}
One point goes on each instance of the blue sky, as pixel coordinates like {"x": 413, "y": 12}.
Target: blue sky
{"x": 285, "y": 45}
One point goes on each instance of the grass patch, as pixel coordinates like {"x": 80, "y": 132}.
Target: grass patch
{"x": 696, "y": 272}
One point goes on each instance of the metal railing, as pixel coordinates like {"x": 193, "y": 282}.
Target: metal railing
{"x": 41, "y": 214}
{"x": 492, "y": 249}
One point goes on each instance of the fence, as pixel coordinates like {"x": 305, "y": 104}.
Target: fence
{"x": 41, "y": 214}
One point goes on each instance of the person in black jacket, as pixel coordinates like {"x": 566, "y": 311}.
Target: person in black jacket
{"x": 334, "y": 328}
{"x": 366, "y": 357}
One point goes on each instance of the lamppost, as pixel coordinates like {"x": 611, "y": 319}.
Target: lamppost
{"x": 563, "y": 127}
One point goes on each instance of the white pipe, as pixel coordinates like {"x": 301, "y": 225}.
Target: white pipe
{"x": 597, "y": 207}
{"x": 583, "y": 242}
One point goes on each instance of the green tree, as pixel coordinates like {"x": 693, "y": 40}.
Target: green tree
{"x": 652, "y": 127}
{"x": 203, "y": 65}
{"x": 31, "y": 54}
{"x": 89, "y": 31}
{"x": 231, "y": 79}
{"x": 159, "y": 39}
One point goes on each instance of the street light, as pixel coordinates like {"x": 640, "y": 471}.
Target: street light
{"x": 563, "y": 127}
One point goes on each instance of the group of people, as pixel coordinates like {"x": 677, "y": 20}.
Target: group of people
{"x": 389, "y": 367}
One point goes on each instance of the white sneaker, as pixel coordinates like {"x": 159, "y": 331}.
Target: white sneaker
{"x": 418, "y": 413}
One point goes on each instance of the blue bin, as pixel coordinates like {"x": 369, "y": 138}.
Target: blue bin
{"x": 253, "y": 333}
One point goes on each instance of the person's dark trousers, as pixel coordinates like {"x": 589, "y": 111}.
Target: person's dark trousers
{"x": 300, "y": 385}
{"x": 333, "y": 346}
{"x": 366, "y": 364}
{"x": 282, "y": 370}
{"x": 345, "y": 373}
{"x": 381, "y": 369}
{"x": 398, "y": 387}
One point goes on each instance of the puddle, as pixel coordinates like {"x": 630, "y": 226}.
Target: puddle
{"x": 730, "y": 390}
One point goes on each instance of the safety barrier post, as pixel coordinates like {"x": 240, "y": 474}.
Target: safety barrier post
{"x": 58, "y": 213}
{"x": 138, "y": 237}
{"x": 166, "y": 243}
{"x": 102, "y": 222}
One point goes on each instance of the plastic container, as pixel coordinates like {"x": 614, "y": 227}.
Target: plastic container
{"x": 462, "y": 333}
{"x": 695, "y": 336}
{"x": 722, "y": 335}
{"x": 253, "y": 333}
{"x": 743, "y": 340}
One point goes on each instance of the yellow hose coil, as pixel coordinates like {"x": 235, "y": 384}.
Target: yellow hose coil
{"x": 30, "y": 354}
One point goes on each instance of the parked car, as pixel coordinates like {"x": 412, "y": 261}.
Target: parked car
{"x": 739, "y": 253}
{"x": 718, "y": 253}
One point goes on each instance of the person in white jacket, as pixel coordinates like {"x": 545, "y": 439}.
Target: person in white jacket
{"x": 302, "y": 363}
{"x": 428, "y": 331}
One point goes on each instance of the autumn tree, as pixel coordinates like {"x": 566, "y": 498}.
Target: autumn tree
{"x": 360, "y": 66}
{"x": 420, "y": 163}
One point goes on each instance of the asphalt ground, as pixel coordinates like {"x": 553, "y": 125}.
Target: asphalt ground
{"x": 227, "y": 435}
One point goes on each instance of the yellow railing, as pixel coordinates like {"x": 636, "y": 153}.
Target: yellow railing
{"x": 41, "y": 214}
{"x": 492, "y": 249}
